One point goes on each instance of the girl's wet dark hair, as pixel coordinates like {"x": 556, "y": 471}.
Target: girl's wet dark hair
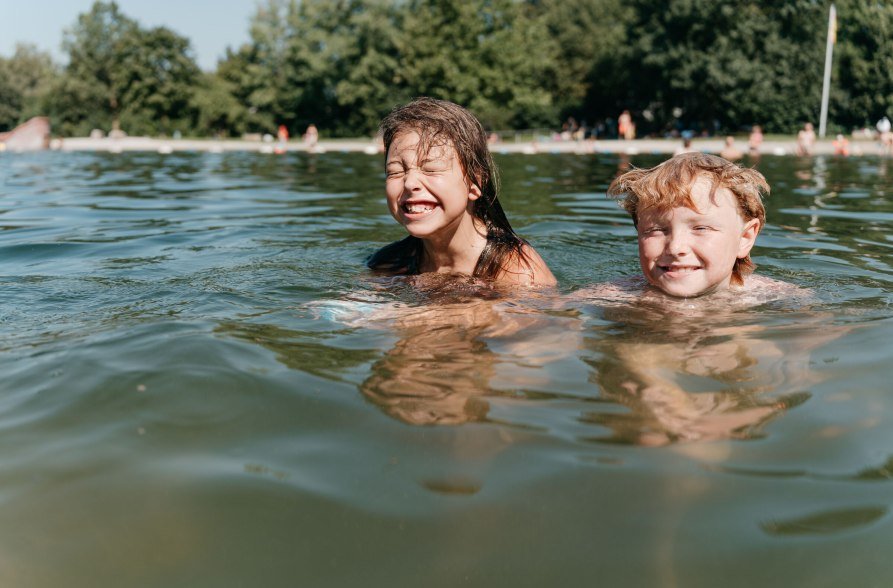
{"x": 441, "y": 123}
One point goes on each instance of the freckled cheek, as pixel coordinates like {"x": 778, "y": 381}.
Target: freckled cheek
{"x": 649, "y": 247}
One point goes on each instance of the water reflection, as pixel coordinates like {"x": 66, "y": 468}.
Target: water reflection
{"x": 443, "y": 367}
{"x": 695, "y": 372}
{"x": 439, "y": 370}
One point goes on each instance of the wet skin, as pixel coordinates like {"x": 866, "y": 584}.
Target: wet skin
{"x": 686, "y": 252}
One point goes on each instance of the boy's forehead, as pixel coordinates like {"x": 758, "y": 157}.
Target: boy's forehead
{"x": 702, "y": 196}
{"x": 704, "y": 190}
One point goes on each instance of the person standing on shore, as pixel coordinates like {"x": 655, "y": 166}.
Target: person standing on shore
{"x": 755, "y": 141}
{"x": 282, "y": 136}
{"x": 625, "y": 127}
{"x": 886, "y": 136}
{"x": 311, "y": 136}
{"x": 805, "y": 140}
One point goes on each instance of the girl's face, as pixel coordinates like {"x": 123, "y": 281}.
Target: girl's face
{"x": 428, "y": 194}
{"x": 687, "y": 252}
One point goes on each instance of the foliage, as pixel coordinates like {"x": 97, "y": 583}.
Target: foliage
{"x": 120, "y": 74}
{"x": 343, "y": 64}
{"x": 729, "y": 63}
{"x": 25, "y": 80}
{"x": 864, "y": 79}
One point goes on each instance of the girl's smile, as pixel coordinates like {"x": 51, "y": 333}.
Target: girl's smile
{"x": 429, "y": 193}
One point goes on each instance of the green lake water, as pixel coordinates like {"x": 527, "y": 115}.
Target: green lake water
{"x": 202, "y": 386}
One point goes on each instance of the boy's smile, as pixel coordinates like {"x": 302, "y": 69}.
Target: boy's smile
{"x": 687, "y": 252}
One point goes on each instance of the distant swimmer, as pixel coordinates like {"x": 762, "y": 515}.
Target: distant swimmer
{"x": 729, "y": 151}
{"x": 685, "y": 147}
{"x": 841, "y": 146}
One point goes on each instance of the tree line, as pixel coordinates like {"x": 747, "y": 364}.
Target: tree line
{"x": 518, "y": 64}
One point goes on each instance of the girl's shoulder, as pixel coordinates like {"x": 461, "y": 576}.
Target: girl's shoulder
{"x": 527, "y": 269}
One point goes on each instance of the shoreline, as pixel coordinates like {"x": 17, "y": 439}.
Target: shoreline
{"x": 369, "y": 146}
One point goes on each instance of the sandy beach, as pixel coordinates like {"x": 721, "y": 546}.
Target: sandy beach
{"x": 635, "y": 147}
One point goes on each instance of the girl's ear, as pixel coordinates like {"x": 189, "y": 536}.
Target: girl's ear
{"x": 748, "y": 237}
{"x": 474, "y": 192}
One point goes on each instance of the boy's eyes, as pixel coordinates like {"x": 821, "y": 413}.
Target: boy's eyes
{"x": 656, "y": 230}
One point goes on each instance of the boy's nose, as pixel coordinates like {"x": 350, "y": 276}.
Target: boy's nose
{"x": 678, "y": 243}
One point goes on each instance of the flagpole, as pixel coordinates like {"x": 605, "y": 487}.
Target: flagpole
{"x": 826, "y": 86}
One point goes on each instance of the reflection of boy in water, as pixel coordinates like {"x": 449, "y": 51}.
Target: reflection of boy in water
{"x": 694, "y": 374}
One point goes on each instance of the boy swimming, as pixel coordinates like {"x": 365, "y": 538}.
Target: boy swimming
{"x": 697, "y": 217}
{"x": 442, "y": 186}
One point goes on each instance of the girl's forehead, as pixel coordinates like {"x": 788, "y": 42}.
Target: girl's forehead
{"x": 410, "y": 144}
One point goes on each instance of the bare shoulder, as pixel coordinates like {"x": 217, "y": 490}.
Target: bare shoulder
{"x": 617, "y": 291}
{"x": 760, "y": 290}
{"x": 528, "y": 270}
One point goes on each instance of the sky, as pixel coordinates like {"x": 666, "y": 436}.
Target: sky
{"x": 210, "y": 25}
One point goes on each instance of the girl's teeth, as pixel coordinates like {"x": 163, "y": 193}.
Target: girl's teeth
{"x": 418, "y": 208}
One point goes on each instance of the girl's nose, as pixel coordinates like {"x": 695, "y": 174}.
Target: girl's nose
{"x": 411, "y": 180}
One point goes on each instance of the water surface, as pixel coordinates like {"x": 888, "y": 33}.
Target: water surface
{"x": 203, "y": 387}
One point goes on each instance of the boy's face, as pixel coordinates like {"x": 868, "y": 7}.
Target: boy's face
{"x": 428, "y": 194}
{"x": 687, "y": 252}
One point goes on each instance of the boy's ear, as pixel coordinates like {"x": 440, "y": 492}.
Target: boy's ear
{"x": 748, "y": 237}
{"x": 474, "y": 192}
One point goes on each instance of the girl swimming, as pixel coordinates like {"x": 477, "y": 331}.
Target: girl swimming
{"x": 442, "y": 186}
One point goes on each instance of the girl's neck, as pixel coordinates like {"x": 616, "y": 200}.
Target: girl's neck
{"x": 458, "y": 252}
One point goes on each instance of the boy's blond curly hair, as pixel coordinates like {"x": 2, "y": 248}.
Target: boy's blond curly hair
{"x": 668, "y": 185}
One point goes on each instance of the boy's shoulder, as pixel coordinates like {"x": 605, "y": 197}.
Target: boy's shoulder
{"x": 755, "y": 291}
{"x": 761, "y": 290}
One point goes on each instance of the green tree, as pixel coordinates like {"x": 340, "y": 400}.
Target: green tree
{"x": 738, "y": 62}
{"x": 25, "y": 80}
{"x": 489, "y": 55}
{"x": 216, "y": 109}
{"x": 97, "y": 50}
{"x": 863, "y": 76}
{"x": 158, "y": 82}
{"x": 254, "y": 71}
{"x": 593, "y": 49}
{"x": 118, "y": 73}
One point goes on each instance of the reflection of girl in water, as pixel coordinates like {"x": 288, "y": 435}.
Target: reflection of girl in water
{"x": 436, "y": 374}
{"x": 443, "y": 368}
